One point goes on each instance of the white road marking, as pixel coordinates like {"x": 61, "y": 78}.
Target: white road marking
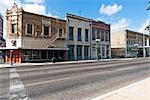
{"x": 17, "y": 90}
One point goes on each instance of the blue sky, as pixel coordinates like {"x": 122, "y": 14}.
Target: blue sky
{"x": 133, "y": 11}
{"x": 120, "y": 14}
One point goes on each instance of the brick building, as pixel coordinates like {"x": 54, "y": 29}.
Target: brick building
{"x": 81, "y": 38}
{"x": 33, "y": 37}
{"x": 101, "y": 46}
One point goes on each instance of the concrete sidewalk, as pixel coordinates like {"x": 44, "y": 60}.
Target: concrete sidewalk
{"x": 136, "y": 91}
{"x": 59, "y": 63}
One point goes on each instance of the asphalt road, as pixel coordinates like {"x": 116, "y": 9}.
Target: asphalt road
{"x": 70, "y": 81}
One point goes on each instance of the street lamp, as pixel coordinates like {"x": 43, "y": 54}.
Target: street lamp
{"x": 11, "y": 57}
{"x": 147, "y": 29}
{"x": 136, "y": 49}
{"x": 97, "y": 47}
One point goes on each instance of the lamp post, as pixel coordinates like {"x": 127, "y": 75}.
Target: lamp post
{"x": 11, "y": 57}
{"x": 97, "y": 47}
{"x": 136, "y": 49}
{"x": 147, "y": 29}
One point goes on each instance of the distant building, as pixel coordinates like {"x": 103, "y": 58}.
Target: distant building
{"x": 101, "y": 34}
{"x": 123, "y": 44}
{"x": 33, "y": 37}
{"x": 2, "y": 41}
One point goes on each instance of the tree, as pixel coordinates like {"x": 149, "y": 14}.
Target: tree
{"x": 148, "y": 8}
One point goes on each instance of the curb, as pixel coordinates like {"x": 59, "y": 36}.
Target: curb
{"x": 62, "y": 63}
{"x": 119, "y": 90}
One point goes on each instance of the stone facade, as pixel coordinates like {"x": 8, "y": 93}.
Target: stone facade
{"x": 77, "y": 46}
{"x": 37, "y": 39}
{"x": 82, "y": 35}
{"x": 123, "y": 43}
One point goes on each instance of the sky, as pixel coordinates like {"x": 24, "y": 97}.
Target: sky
{"x": 121, "y": 14}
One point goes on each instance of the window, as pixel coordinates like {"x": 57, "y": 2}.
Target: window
{"x": 43, "y": 55}
{"x": 79, "y": 34}
{"x": 93, "y": 34}
{"x": 36, "y": 55}
{"x": 102, "y": 35}
{"x": 46, "y": 30}
{"x": 98, "y": 34}
{"x": 107, "y": 36}
{"x": 71, "y": 52}
{"x": 60, "y": 32}
{"x": 149, "y": 42}
{"x": 13, "y": 28}
{"x": 86, "y": 34}
{"x": 86, "y": 52}
{"x": 71, "y": 33}
{"x": 79, "y": 52}
{"x": 29, "y": 28}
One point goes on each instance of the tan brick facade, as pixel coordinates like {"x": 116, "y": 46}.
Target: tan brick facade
{"x": 42, "y": 35}
{"x": 123, "y": 43}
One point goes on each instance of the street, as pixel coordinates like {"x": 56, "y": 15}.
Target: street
{"x": 81, "y": 81}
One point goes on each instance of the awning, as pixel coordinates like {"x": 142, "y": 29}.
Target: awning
{"x": 4, "y": 48}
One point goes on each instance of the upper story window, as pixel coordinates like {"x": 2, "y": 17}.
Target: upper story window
{"x": 30, "y": 29}
{"x": 60, "y": 32}
{"x": 102, "y": 35}
{"x": 98, "y": 34}
{"x": 79, "y": 34}
{"x": 145, "y": 42}
{"x": 46, "y": 30}
{"x": 86, "y": 34}
{"x": 71, "y": 33}
{"x": 106, "y": 36}
{"x": 13, "y": 28}
{"x": 93, "y": 34}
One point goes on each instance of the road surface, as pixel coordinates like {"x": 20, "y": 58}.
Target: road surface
{"x": 81, "y": 81}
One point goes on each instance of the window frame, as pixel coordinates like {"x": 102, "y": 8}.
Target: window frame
{"x": 27, "y": 29}
{"x": 71, "y": 35}
{"x": 79, "y": 34}
{"x": 86, "y": 35}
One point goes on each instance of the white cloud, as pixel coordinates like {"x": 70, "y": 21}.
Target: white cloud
{"x": 110, "y": 9}
{"x": 143, "y": 26}
{"x": 53, "y": 14}
{"x": 35, "y": 1}
{"x": 35, "y": 8}
{"x": 121, "y": 24}
{"x": 99, "y": 19}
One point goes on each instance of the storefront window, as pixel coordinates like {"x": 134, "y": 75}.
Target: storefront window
{"x": 28, "y": 55}
{"x": 36, "y": 55}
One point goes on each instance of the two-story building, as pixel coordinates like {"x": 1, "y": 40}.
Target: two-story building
{"x": 101, "y": 45}
{"x": 33, "y": 37}
{"x": 127, "y": 43}
{"x": 82, "y": 34}
{"x": 78, "y": 37}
